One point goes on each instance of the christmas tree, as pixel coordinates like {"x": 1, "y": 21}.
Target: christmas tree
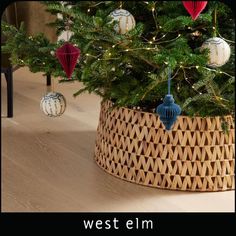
{"x": 130, "y": 68}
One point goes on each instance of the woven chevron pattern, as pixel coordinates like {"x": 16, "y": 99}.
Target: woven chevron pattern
{"x": 195, "y": 156}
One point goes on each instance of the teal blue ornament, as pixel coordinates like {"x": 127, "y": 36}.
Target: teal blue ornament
{"x": 168, "y": 110}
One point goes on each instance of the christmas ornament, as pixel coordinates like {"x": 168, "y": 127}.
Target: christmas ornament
{"x": 194, "y": 8}
{"x": 219, "y": 51}
{"x": 53, "y": 104}
{"x": 126, "y": 21}
{"x": 65, "y": 35}
{"x": 67, "y": 56}
{"x": 168, "y": 110}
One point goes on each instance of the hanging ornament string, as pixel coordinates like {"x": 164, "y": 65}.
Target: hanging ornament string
{"x": 169, "y": 78}
{"x": 67, "y": 27}
{"x": 50, "y": 88}
{"x": 214, "y": 22}
{"x": 52, "y": 85}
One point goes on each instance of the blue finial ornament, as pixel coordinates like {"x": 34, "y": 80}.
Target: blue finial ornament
{"x": 168, "y": 110}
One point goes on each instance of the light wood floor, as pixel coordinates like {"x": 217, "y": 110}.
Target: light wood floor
{"x": 48, "y": 165}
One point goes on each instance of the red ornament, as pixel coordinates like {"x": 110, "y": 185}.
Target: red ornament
{"x": 194, "y": 8}
{"x": 68, "y": 56}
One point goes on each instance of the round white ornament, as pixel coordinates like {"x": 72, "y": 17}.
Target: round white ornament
{"x": 53, "y": 104}
{"x": 65, "y": 35}
{"x": 126, "y": 21}
{"x": 219, "y": 51}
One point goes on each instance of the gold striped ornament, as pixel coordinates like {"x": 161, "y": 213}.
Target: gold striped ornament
{"x": 126, "y": 21}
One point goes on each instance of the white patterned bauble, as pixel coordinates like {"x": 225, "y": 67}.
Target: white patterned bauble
{"x": 65, "y": 35}
{"x": 53, "y": 104}
{"x": 219, "y": 51}
{"x": 126, "y": 21}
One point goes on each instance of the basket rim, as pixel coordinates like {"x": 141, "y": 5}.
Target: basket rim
{"x": 180, "y": 116}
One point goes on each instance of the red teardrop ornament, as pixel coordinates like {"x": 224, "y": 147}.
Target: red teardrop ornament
{"x": 68, "y": 56}
{"x": 194, "y": 8}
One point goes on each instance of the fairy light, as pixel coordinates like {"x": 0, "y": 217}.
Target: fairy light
{"x": 165, "y": 62}
{"x": 126, "y": 50}
{"x": 109, "y": 54}
{"x": 154, "y": 38}
{"x": 150, "y": 42}
{"x": 160, "y": 27}
{"x": 88, "y": 10}
{"x": 200, "y": 93}
{"x": 179, "y": 35}
{"x": 153, "y": 9}
{"x": 197, "y": 67}
{"x": 113, "y": 46}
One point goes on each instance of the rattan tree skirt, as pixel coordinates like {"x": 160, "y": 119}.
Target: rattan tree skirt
{"x": 196, "y": 155}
